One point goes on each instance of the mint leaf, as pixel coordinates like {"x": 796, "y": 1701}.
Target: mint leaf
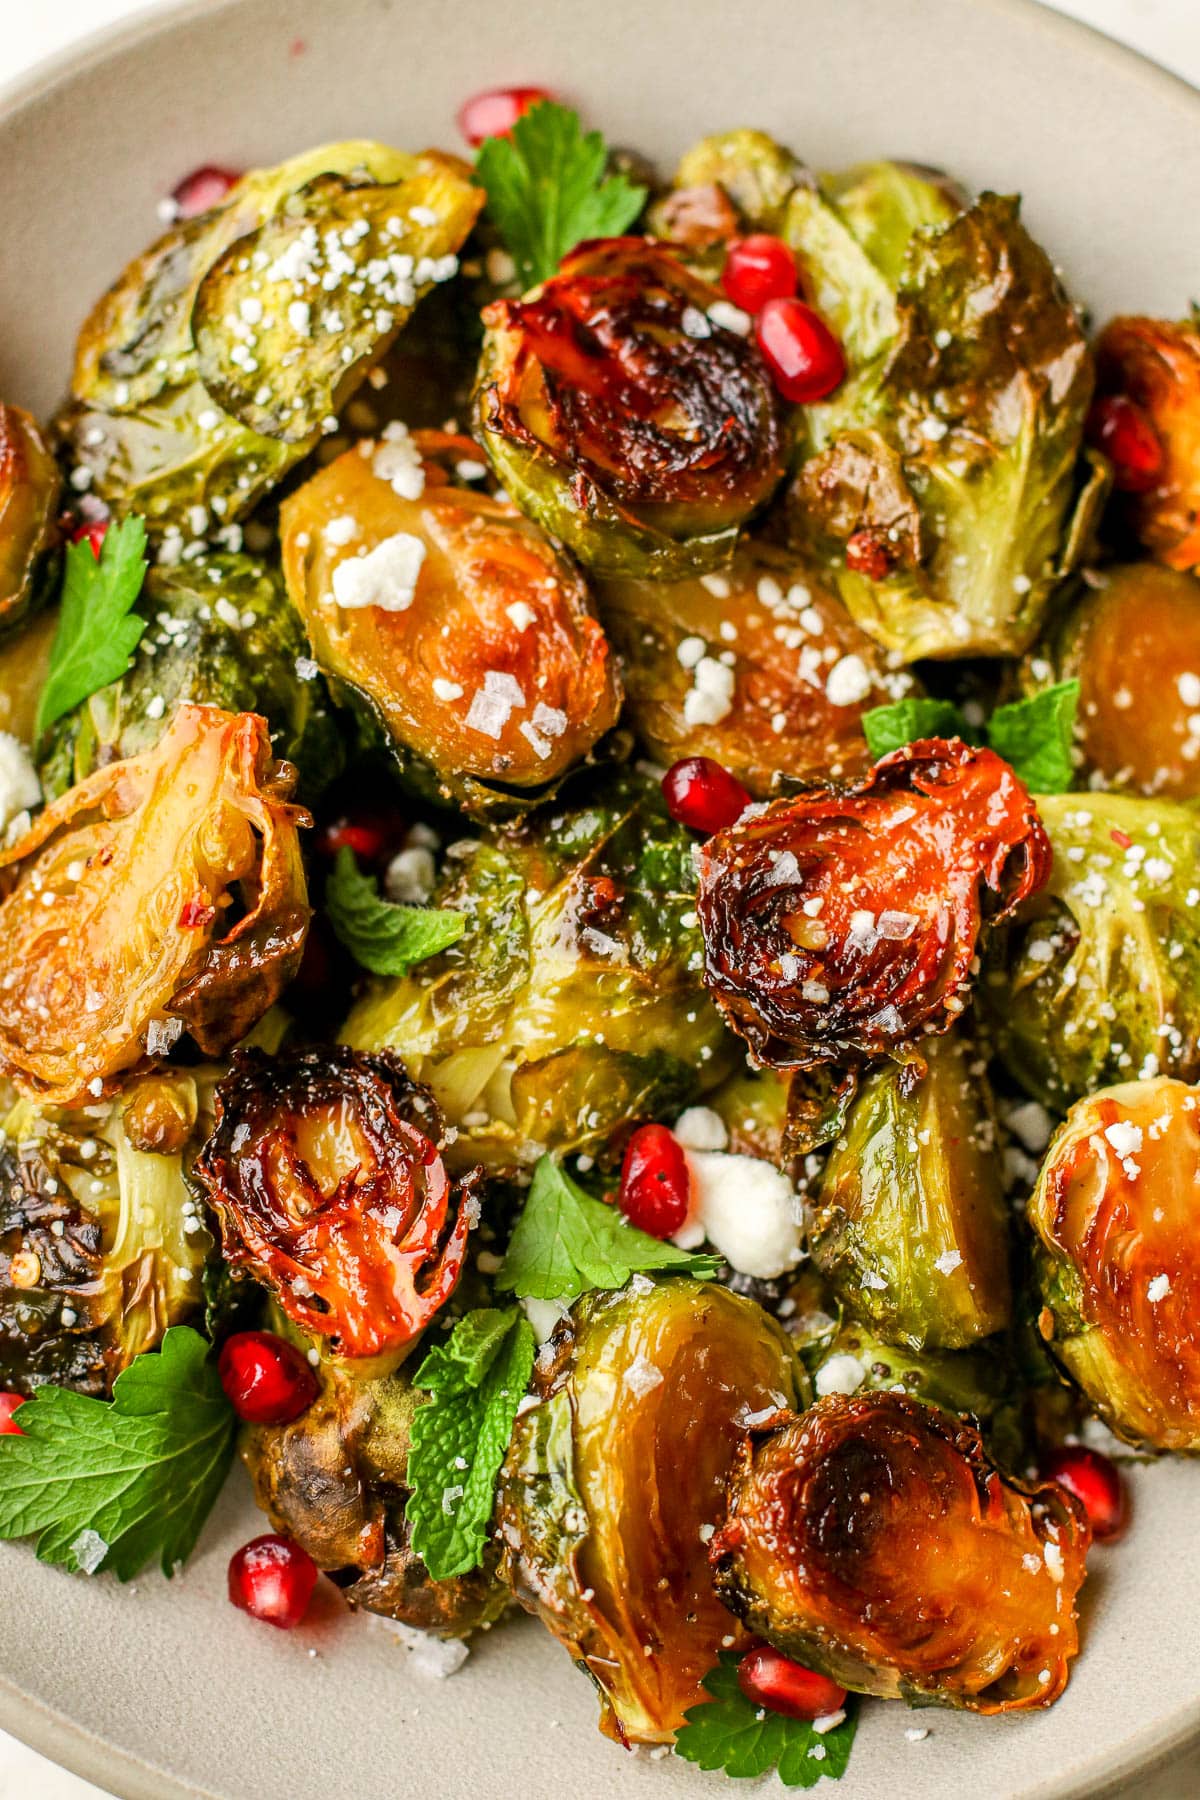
{"x": 97, "y": 632}
{"x": 1035, "y": 736}
{"x": 476, "y": 1379}
{"x": 731, "y": 1733}
{"x": 547, "y": 192}
{"x": 110, "y": 1484}
{"x": 384, "y": 938}
{"x": 565, "y": 1243}
{"x": 888, "y": 728}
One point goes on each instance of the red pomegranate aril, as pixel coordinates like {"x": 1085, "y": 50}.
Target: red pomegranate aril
{"x": 267, "y": 1380}
{"x": 770, "y": 1679}
{"x": 1117, "y": 426}
{"x": 8, "y": 1406}
{"x": 273, "y": 1580}
{"x": 93, "y": 532}
{"x": 494, "y": 113}
{"x": 654, "y": 1182}
{"x": 867, "y": 554}
{"x": 758, "y": 268}
{"x": 702, "y": 795}
{"x": 204, "y": 187}
{"x": 804, "y": 357}
{"x": 371, "y": 836}
{"x": 1096, "y": 1483}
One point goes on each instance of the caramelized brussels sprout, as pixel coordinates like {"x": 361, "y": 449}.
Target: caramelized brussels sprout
{"x": 842, "y": 924}
{"x": 1117, "y": 1264}
{"x": 325, "y": 1171}
{"x": 24, "y": 664}
{"x": 624, "y": 419}
{"x": 873, "y": 1540}
{"x": 632, "y": 1427}
{"x": 754, "y": 173}
{"x": 1156, "y": 364}
{"x": 216, "y": 360}
{"x": 164, "y": 891}
{"x": 572, "y": 1003}
{"x": 975, "y": 1384}
{"x": 910, "y": 1227}
{"x": 1097, "y": 979}
{"x": 463, "y": 633}
{"x": 29, "y": 490}
{"x": 752, "y": 1105}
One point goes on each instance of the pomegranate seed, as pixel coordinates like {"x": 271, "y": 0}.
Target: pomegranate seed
{"x": 93, "y": 532}
{"x": 770, "y": 1679}
{"x": 758, "y": 268}
{"x": 373, "y": 837}
{"x": 1118, "y": 426}
{"x": 203, "y": 188}
{"x": 273, "y": 1580}
{"x": 654, "y": 1182}
{"x": 867, "y": 554}
{"x": 804, "y": 357}
{"x": 703, "y": 795}
{"x": 494, "y": 113}
{"x": 1095, "y": 1482}
{"x": 1121, "y": 839}
{"x": 267, "y": 1380}
{"x": 8, "y": 1406}
{"x": 194, "y": 915}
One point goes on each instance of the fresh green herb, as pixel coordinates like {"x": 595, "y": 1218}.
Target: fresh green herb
{"x": 888, "y": 728}
{"x": 729, "y": 1732}
{"x": 476, "y": 1380}
{"x": 384, "y": 938}
{"x": 566, "y": 1243}
{"x": 110, "y": 1484}
{"x": 1035, "y": 736}
{"x": 547, "y": 190}
{"x": 97, "y": 632}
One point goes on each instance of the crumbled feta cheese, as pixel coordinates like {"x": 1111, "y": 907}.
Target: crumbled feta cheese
{"x": 1158, "y": 1289}
{"x": 340, "y": 531}
{"x": 710, "y": 698}
{"x": 398, "y": 462}
{"x": 747, "y": 1209}
{"x": 842, "y": 1374}
{"x": 19, "y": 785}
{"x": 729, "y": 317}
{"x": 848, "y": 681}
{"x": 1125, "y": 1138}
{"x": 410, "y": 876}
{"x": 521, "y": 614}
{"x": 446, "y": 690}
{"x": 385, "y": 577}
{"x": 700, "y": 1128}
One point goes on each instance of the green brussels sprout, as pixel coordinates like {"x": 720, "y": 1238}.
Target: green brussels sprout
{"x": 1095, "y": 980}
{"x": 24, "y": 663}
{"x": 572, "y": 1002}
{"x": 752, "y": 1104}
{"x": 217, "y": 359}
{"x": 29, "y": 491}
{"x": 757, "y": 175}
{"x": 219, "y": 633}
{"x": 102, "y": 1245}
{"x": 632, "y": 1427}
{"x": 910, "y": 1227}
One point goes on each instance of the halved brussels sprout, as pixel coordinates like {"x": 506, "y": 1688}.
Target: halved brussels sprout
{"x": 760, "y": 667}
{"x": 910, "y": 1227}
{"x": 1097, "y": 978}
{"x": 572, "y": 1003}
{"x": 29, "y": 490}
{"x": 463, "y": 633}
{"x": 752, "y": 1105}
{"x": 101, "y": 1243}
{"x": 976, "y": 1384}
{"x": 164, "y": 891}
{"x": 1118, "y": 1264}
{"x": 730, "y": 181}
{"x": 873, "y": 1540}
{"x": 842, "y": 924}
{"x": 612, "y": 1479}
{"x": 216, "y": 360}
{"x": 24, "y": 665}
{"x": 623, "y": 418}
{"x": 1156, "y": 364}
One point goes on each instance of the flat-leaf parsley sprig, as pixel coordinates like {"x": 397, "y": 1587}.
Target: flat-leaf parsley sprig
{"x": 98, "y": 631}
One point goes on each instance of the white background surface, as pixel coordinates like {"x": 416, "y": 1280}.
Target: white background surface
{"x": 1168, "y": 30}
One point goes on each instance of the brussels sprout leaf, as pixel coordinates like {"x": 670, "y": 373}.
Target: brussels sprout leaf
{"x": 1035, "y": 736}
{"x": 110, "y": 1484}
{"x": 384, "y": 938}
{"x": 546, "y": 189}
{"x": 888, "y": 728}
{"x": 97, "y": 632}
{"x": 566, "y": 1243}
{"x": 729, "y": 1732}
{"x": 476, "y": 1380}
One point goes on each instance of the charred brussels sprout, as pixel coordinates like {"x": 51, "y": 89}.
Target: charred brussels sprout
{"x": 1156, "y": 364}
{"x": 164, "y": 891}
{"x": 625, "y": 420}
{"x": 1117, "y": 1261}
{"x": 29, "y": 490}
{"x": 746, "y": 170}
{"x": 1095, "y": 980}
{"x": 873, "y": 1540}
{"x": 631, "y": 1426}
{"x": 462, "y": 632}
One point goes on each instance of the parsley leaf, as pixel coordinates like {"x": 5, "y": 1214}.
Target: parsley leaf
{"x": 565, "y": 1243}
{"x": 729, "y": 1732}
{"x": 1035, "y": 736}
{"x": 97, "y": 632}
{"x": 110, "y": 1484}
{"x": 888, "y": 728}
{"x": 477, "y": 1379}
{"x": 547, "y": 192}
{"x": 384, "y": 938}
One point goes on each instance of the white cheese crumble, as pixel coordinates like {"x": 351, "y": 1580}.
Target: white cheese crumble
{"x": 446, "y": 690}
{"x": 521, "y": 614}
{"x": 385, "y": 577}
{"x": 410, "y": 876}
{"x": 1126, "y": 1139}
{"x": 398, "y": 462}
{"x": 700, "y": 1128}
{"x": 20, "y": 788}
{"x": 340, "y": 531}
{"x": 746, "y": 1209}
{"x": 1158, "y": 1289}
{"x": 848, "y": 681}
{"x": 710, "y": 698}
{"x": 842, "y": 1374}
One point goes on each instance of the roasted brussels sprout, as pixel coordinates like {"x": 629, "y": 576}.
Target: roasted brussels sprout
{"x": 613, "y": 1476}
{"x": 623, "y": 418}
{"x": 217, "y": 359}
{"x": 29, "y": 490}
{"x": 24, "y": 663}
{"x": 102, "y": 1245}
{"x": 1156, "y": 364}
{"x": 164, "y": 891}
{"x": 572, "y": 1002}
{"x": 975, "y": 1384}
{"x": 873, "y": 1540}
{"x": 753, "y": 174}
{"x": 325, "y": 1171}
{"x": 1118, "y": 1265}
{"x": 842, "y": 924}
{"x": 910, "y": 1227}
{"x": 463, "y": 633}
{"x": 1095, "y": 978}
